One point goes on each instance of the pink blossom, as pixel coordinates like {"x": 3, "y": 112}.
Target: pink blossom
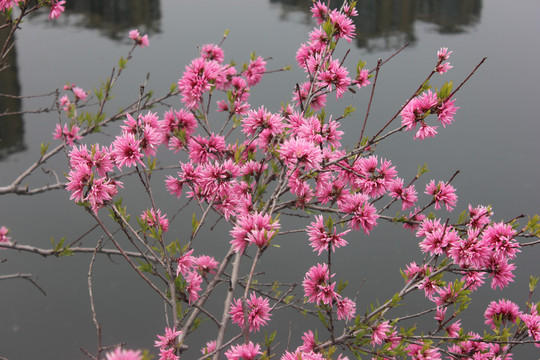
{"x": 501, "y": 271}
{"x": 255, "y": 71}
{"x": 57, "y": 8}
{"x": 79, "y": 93}
{"x": 206, "y": 264}
{"x": 446, "y": 111}
{"x": 3, "y": 235}
{"x": 335, "y": 75}
{"x": 122, "y": 354}
{"x": 406, "y": 195}
{"x": 202, "y": 150}
{"x": 380, "y": 333}
{"x": 362, "y": 79}
{"x": 69, "y": 135}
{"x": 168, "y": 354}
{"x": 453, "y": 329}
{"x": 532, "y": 322}
{"x": 142, "y": 41}
{"x": 500, "y": 237}
{"x": 185, "y": 263}
{"x": 421, "y": 352}
{"x": 155, "y": 219}
{"x": 167, "y": 340}
{"x": 502, "y": 310}
{"x": 253, "y": 228}
{"x": 321, "y": 239}
{"x": 346, "y": 309}
{"x": 343, "y": 26}
{"x": 443, "y": 193}
{"x": 209, "y": 348}
{"x": 317, "y": 287}
{"x": 362, "y": 213}
{"x": 319, "y": 11}
{"x": 247, "y": 351}
{"x": 197, "y": 79}
{"x": 127, "y": 151}
{"x": 255, "y": 309}
{"x": 299, "y": 151}
{"x": 194, "y": 281}
{"x": 212, "y": 52}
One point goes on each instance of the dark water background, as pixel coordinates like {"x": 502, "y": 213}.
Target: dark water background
{"x": 494, "y": 142}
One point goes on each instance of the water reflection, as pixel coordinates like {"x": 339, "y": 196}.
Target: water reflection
{"x": 388, "y": 24}
{"x": 12, "y": 126}
{"x": 114, "y": 17}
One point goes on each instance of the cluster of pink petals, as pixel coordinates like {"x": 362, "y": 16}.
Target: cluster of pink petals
{"x": 68, "y": 134}
{"x": 322, "y": 239}
{"x": 418, "y": 351}
{"x": 255, "y": 309}
{"x": 3, "y": 235}
{"x": 254, "y": 228}
{"x": 442, "y": 66}
{"x": 443, "y": 194}
{"x": 420, "y": 107}
{"x": 477, "y": 349}
{"x": 57, "y": 8}
{"x": 142, "y": 41}
{"x": 501, "y": 311}
{"x": 124, "y": 354}
{"x": 153, "y": 218}
{"x": 532, "y": 322}
{"x": 248, "y": 351}
{"x": 361, "y": 212}
{"x": 167, "y": 344}
{"x": 88, "y": 179}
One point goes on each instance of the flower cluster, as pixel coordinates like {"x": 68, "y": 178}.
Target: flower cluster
{"x": 255, "y": 310}
{"x": 3, "y": 235}
{"x": 167, "y": 344}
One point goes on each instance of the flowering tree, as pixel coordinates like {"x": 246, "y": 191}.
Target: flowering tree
{"x": 253, "y": 168}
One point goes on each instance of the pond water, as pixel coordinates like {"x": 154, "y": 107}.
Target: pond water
{"x": 493, "y": 142}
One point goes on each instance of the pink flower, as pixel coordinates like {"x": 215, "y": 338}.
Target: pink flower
{"x": 212, "y": 52}
{"x": 443, "y": 193}
{"x": 247, "y": 351}
{"x": 255, "y": 309}
{"x": 57, "y": 8}
{"x": 407, "y": 195}
{"x": 69, "y": 135}
{"x": 500, "y": 237}
{"x": 380, "y": 333}
{"x": 321, "y": 239}
{"x": 185, "y": 263}
{"x": 532, "y": 322}
{"x": 194, "y": 281}
{"x": 127, "y": 151}
{"x": 500, "y": 271}
{"x": 362, "y": 213}
{"x": 302, "y": 152}
{"x": 253, "y": 228}
{"x": 346, "y": 309}
{"x": 317, "y": 287}
{"x": 122, "y": 354}
{"x": 453, "y": 329}
{"x": 168, "y": 354}
{"x": 79, "y": 93}
{"x": 320, "y": 11}
{"x": 142, "y": 41}
{"x": 206, "y": 264}
{"x": 343, "y": 26}
{"x": 155, "y": 219}
{"x": 421, "y": 352}
{"x": 168, "y": 340}
{"x": 202, "y": 150}
{"x": 3, "y": 235}
{"x": 255, "y": 71}
{"x": 197, "y": 79}
{"x": 501, "y": 312}
{"x": 335, "y": 75}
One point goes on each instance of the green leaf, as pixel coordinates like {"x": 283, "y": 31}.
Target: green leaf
{"x": 422, "y": 170}
{"x": 445, "y": 91}
{"x": 348, "y": 111}
{"x": 43, "y": 148}
{"x": 194, "y": 223}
